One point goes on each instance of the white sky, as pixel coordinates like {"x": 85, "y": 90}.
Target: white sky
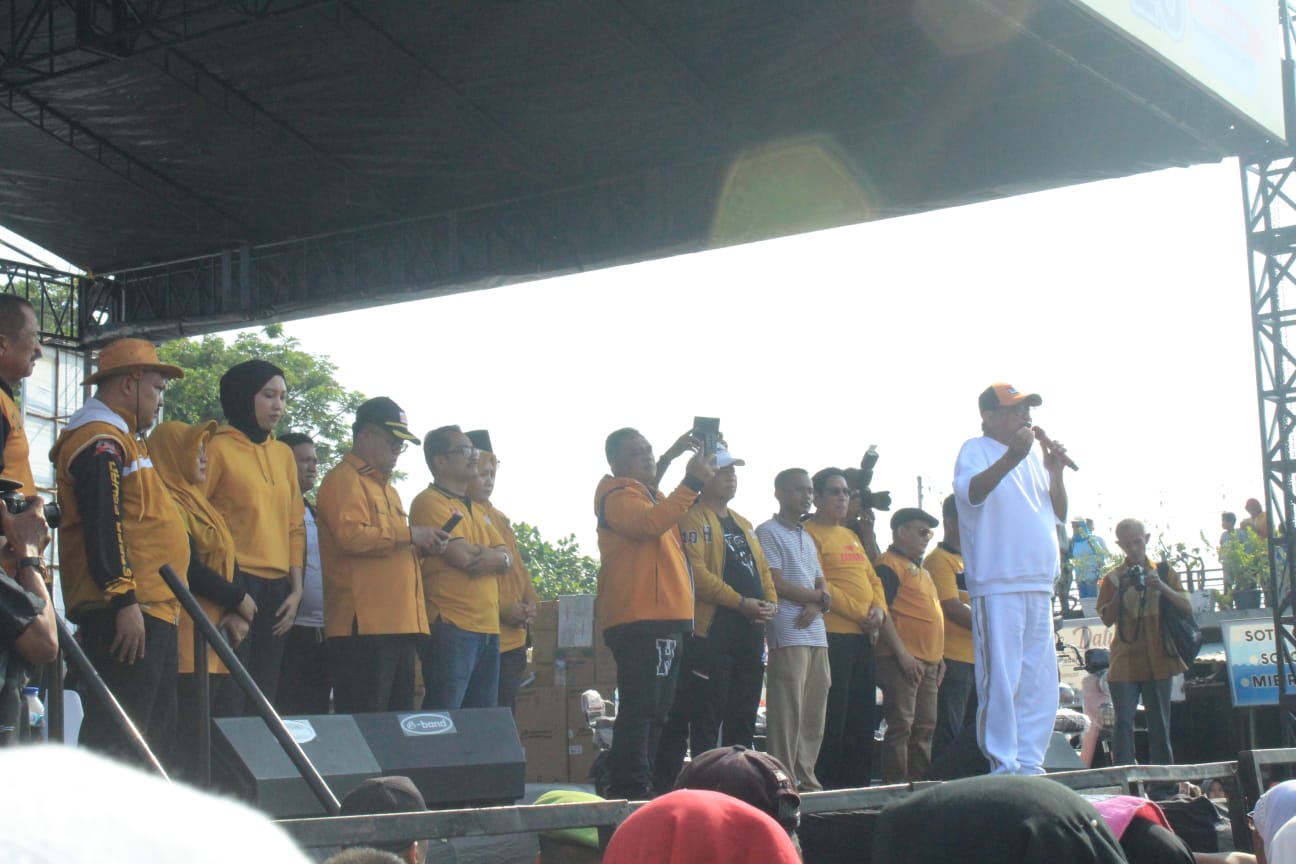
{"x": 1123, "y": 303}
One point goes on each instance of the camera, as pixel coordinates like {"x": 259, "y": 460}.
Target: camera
{"x": 1138, "y": 576}
{"x": 15, "y": 502}
{"x": 870, "y": 500}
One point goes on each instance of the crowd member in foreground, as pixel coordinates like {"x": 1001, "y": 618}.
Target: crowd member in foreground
{"x": 912, "y": 644}
{"x": 797, "y": 679}
{"x": 748, "y": 775}
{"x": 1009, "y": 503}
{"x": 994, "y": 820}
{"x": 374, "y": 610}
{"x": 392, "y": 794}
{"x": 179, "y": 453}
{"x": 252, "y": 481}
{"x": 569, "y": 845}
{"x": 853, "y": 620}
{"x": 119, "y": 527}
{"x": 77, "y": 807}
{"x": 518, "y": 600}
{"x": 28, "y": 631}
{"x": 645, "y": 598}
{"x": 305, "y": 679}
{"x": 697, "y": 826}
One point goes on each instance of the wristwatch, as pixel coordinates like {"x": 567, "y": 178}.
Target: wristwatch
{"x": 37, "y": 564}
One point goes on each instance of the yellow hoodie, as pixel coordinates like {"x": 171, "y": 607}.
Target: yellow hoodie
{"x": 254, "y": 486}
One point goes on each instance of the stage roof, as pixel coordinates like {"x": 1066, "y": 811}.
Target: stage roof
{"x": 226, "y": 162}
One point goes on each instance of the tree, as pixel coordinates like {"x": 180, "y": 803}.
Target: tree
{"x": 556, "y": 568}
{"x": 317, "y": 404}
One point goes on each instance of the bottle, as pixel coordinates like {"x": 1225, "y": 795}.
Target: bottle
{"x": 35, "y": 711}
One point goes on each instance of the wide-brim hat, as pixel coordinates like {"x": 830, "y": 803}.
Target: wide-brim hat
{"x": 131, "y": 355}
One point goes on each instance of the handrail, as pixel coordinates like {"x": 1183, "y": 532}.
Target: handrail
{"x": 262, "y": 705}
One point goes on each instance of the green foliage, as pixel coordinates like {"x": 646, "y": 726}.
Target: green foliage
{"x": 556, "y": 568}
{"x": 1246, "y": 560}
{"x": 317, "y": 404}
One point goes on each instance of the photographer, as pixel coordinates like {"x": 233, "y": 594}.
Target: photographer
{"x": 28, "y": 634}
{"x": 1130, "y": 600}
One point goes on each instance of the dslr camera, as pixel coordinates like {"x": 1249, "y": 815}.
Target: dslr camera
{"x": 869, "y": 499}
{"x": 15, "y": 502}
{"x": 1139, "y": 577}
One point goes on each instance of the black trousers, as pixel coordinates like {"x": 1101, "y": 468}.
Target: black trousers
{"x": 225, "y": 697}
{"x": 262, "y": 651}
{"x": 146, "y": 689}
{"x": 731, "y": 667}
{"x": 955, "y": 704}
{"x": 647, "y": 669}
{"x": 846, "y": 755}
{"x": 512, "y": 668}
{"x": 305, "y": 678}
{"x": 673, "y": 743}
{"x": 373, "y": 673}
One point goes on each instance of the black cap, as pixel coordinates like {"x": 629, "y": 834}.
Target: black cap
{"x": 480, "y": 439}
{"x": 748, "y": 775}
{"x": 378, "y": 795}
{"x": 911, "y": 514}
{"x": 386, "y": 414}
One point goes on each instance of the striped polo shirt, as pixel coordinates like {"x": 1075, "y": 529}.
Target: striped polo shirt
{"x": 792, "y": 552}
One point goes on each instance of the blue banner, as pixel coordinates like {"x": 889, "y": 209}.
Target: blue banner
{"x": 1252, "y": 663}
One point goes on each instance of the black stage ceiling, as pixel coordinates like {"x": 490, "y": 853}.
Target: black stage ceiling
{"x": 226, "y": 162}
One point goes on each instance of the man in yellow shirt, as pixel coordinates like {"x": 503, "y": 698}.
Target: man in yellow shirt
{"x": 853, "y": 619}
{"x": 518, "y": 601}
{"x": 374, "y": 614}
{"x": 911, "y": 646}
{"x": 20, "y": 348}
{"x": 956, "y": 700}
{"x": 461, "y": 660}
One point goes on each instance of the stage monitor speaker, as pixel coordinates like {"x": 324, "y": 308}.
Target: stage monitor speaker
{"x": 248, "y": 762}
{"x": 466, "y": 758}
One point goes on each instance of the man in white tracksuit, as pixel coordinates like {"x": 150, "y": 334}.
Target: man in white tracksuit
{"x": 1009, "y": 504}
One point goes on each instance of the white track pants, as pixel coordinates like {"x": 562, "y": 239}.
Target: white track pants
{"x": 1016, "y": 679}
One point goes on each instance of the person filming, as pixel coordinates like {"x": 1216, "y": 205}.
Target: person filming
{"x": 1129, "y": 599}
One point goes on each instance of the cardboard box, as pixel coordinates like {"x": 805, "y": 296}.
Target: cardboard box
{"x": 604, "y": 664}
{"x": 581, "y": 754}
{"x": 541, "y": 709}
{"x": 574, "y": 671}
{"x": 544, "y": 646}
{"x": 541, "y": 674}
{"x": 546, "y": 755}
{"x": 576, "y": 621}
{"x": 546, "y": 616}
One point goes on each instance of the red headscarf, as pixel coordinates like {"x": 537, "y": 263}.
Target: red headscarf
{"x": 697, "y": 826}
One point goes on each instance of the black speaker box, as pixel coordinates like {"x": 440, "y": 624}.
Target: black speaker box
{"x": 248, "y": 762}
{"x": 470, "y": 757}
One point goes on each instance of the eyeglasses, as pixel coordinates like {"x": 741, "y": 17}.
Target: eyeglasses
{"x": 924, "y": 531}
{"x": 468, "y": 452}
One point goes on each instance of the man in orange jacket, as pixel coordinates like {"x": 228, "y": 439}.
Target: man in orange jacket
{"x": 645, "y": 597}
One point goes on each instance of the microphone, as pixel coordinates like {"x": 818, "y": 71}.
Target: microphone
{"x": 1047, "y": 444}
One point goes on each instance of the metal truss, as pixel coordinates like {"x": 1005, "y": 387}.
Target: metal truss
{"x": 53, "y": 294}
{"x": 1269, "y": 193}
{"x": 579, "y": 228}
{"x": 42, "y": 39}
{"x": 1269, "y": 200}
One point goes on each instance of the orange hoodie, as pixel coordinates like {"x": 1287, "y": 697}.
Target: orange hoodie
{"x": 254, "y": 486}
{"x": 644, "y": 583}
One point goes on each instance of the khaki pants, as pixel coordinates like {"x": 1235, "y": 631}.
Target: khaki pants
{"x": 909, "y": 708}
{"x": 796, "y": 691}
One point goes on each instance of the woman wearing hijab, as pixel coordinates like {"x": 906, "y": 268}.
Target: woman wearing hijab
{"x": 699, "y": 826}
{"x": 995, "y": 819}
{"x": 252, "y": 482}
{"x": 1274, "y": 809}
{"x": 179, "y": 453}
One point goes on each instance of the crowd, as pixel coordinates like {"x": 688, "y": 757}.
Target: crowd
{"x": 341, "y": 602}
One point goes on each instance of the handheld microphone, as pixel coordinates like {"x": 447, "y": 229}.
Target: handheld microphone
{"x": 1047, "y": 443}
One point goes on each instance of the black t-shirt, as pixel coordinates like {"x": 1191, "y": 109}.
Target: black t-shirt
{"x": 740, "y": 564}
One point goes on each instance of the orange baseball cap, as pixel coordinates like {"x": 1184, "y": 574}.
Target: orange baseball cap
{"x": 1005, "y": 396}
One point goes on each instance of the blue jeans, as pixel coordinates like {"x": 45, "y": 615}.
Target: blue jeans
{"x": 460, "y": 668}
{"x": 1156, "y": 703}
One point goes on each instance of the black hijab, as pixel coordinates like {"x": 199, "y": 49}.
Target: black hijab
{"x": 238, "y": 388}
{"x": 997, "y": 819}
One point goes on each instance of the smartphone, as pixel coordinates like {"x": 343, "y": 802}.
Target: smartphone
{"x": 708, "y": 429}
{"x": 452, "y": 522}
